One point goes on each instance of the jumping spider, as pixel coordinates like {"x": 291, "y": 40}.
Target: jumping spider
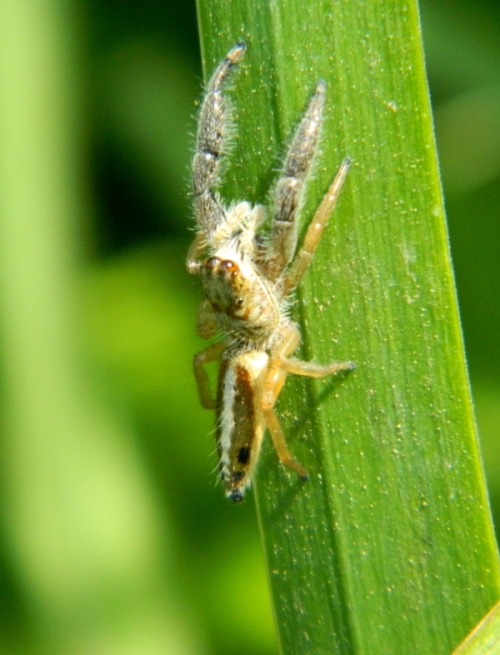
{"x": 247, "y": 279}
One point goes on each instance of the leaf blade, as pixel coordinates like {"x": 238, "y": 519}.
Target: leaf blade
{"x": 390, "y": 542}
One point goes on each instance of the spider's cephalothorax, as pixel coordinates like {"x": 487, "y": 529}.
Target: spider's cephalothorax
{"x": 247, "y": 280}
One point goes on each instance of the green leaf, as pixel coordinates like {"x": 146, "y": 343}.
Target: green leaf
{"x": 485, "y": 638}
{"x": 389, "y": 547}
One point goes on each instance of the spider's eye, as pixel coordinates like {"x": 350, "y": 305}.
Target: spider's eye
{"x": 238, "y": 302}
{"x": 229, "y": 266}
{"x": 212, "y": 262}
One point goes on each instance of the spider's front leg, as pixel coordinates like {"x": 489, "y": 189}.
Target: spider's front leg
{"x": 290, "y": 188}
{"x": 211, "y": 143}
{"x": 279, "y": 367}
{"x": 305, "y": 255}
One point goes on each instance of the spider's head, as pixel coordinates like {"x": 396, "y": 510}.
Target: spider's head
{"x": 242, "y": 302}
{"x": 225, "y": 284}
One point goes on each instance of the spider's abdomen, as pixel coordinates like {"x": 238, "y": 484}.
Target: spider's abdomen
{"x": 245, "y": 306}
{"x": 240, "y": 420}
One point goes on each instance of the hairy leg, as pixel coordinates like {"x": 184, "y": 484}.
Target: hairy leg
{"x": 290, "y": 187}
{"x": 211, "y": 141}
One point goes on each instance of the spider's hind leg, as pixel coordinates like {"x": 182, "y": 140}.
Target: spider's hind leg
{"x": 279, "y": 367}
{"x": 280, "y": 445}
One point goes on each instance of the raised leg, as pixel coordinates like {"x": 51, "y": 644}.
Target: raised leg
{"x": 210, "y": 354}
{"x": 313, "y": 235}
{"x": 211, "y": 141}
{"x": 290, "y": 188}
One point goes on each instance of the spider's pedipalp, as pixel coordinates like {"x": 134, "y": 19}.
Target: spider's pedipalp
{"x": 290, "y": 188}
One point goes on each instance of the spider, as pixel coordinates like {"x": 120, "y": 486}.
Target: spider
{"x": 247, "y": 278}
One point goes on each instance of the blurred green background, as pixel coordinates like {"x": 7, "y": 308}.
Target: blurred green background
{"x": 113, "y": 535}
